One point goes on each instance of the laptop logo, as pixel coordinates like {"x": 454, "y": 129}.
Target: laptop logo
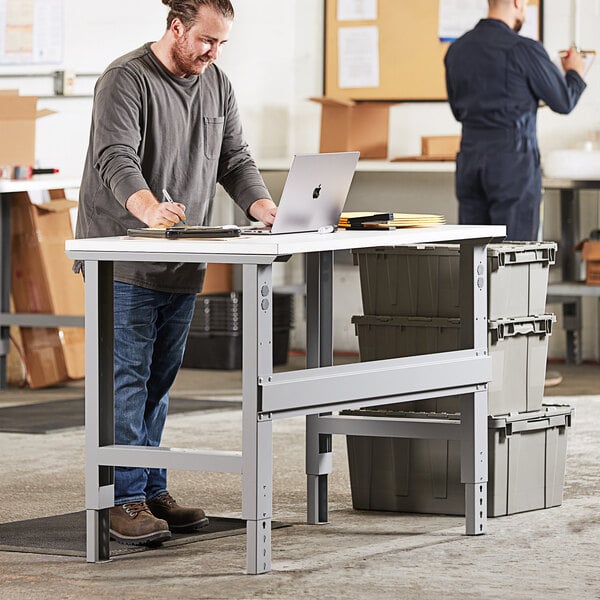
{"x": 317, "y": 191}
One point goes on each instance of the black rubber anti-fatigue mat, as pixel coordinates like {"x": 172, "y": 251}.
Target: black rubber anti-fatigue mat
{"x": 64, "y": 535}
{"x": 66, "y": 414}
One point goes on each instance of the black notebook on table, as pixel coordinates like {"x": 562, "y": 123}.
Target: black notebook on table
{"x": 186, "y": 231}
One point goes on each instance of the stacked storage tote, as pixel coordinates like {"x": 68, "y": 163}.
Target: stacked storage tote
{"x": 215, "y": 338}
{"x": 411, "y": 303}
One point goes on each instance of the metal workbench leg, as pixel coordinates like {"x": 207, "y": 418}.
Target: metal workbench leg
{"x": 473, "y": 447}
{"x": 257, "y": 433}
{"x": 5, "y": 281}
{"x": 572, "y": 324}
{"x": 570, "y": 271}
{"x": 319, "y": 353}
{"x": 473, "y": 461}
{"x": 99, "y": 405}
{"x": 569, "y": 235}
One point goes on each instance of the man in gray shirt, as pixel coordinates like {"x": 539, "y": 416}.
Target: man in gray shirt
{"x": 164, "y": 117}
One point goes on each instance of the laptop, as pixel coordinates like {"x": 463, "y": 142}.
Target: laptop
{"x": 314, "y": 194}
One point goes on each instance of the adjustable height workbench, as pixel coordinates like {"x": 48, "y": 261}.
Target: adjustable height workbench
{"x": 319, "y": 391}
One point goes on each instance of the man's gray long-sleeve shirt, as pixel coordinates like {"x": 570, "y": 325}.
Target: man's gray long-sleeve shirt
{"x": 152, "y": 130}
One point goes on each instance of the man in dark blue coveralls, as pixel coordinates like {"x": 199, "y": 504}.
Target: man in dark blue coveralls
{"x": 495, "y": 80}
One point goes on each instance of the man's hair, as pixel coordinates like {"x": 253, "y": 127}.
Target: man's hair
{"x": 187, "y": 10}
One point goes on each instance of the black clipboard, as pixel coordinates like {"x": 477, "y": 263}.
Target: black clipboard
{"x": 186, "y": 231}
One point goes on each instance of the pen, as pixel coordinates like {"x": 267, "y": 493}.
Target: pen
{"x": 168, "y": 198}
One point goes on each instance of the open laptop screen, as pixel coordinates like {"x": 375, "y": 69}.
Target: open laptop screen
{"x": 314, "y": 194}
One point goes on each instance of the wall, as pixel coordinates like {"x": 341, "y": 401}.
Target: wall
{"x": 274, "y": 59}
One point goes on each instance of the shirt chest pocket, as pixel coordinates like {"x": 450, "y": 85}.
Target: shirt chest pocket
{"x": 213, "y": 136}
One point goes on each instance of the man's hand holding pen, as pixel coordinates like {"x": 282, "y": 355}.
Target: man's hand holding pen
{"x": 145, "y": 206}
{"x": 174, "y": 213}
{"x": 167, "y": 197}
{"x": 572, "y": 60}
{"x": 165, "y": 214}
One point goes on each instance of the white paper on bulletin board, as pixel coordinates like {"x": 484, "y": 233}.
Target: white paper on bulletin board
{"x": 459, "y": 16}
{"x": 358, "y": 52}
{"x": 531, "y": 27}
{"x": 31, "y": 32}
{"x": 357, "y": 10}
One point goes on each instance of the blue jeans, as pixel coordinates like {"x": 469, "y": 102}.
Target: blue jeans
{"x": 151, "y": 329}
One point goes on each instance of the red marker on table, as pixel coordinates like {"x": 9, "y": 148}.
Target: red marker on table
{"x": 35, "y": 171}
{"x": 26, "y": 172}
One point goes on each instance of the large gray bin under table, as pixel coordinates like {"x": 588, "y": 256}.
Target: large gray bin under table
{"x": 518, "y": 348}
{"x": 526, "y": 466}
{"x": 424, "y": 280}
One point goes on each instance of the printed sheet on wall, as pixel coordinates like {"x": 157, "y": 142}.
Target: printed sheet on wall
{"x": 31, "y": 32}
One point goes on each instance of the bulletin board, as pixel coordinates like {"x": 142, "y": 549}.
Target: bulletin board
{"x": 410, "y": 54}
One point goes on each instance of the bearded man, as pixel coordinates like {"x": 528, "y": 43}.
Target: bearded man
{"x": 164, "y": 118}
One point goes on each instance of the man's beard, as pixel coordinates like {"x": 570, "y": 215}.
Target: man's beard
{"x": 518, "y": 24}
{"x": 184, "y": 63}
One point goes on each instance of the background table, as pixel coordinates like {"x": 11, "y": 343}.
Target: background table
{"x": 571, "y": 289}
{"x": 317, "y": 391}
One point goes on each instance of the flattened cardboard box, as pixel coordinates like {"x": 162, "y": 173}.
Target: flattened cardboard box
{"x": 43, "y": 282}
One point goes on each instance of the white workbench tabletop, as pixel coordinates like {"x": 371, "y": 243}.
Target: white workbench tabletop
{"x": 38, "y": 182}
{"x": 274, "y": 245}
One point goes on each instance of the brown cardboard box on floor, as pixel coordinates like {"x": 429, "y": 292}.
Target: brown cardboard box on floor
{"x": 18, "y": 116}
{"x": 43, "y": 282}
{"x": 16, "y": 374}
{"x": 590, "y": 252}
{"x": 218, "y": 278}
{"x": 348, "y": 126}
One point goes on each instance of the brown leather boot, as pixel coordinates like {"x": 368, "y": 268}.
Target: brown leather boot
{"x": 133, "y": 523}
{"x": 180, "y": 519}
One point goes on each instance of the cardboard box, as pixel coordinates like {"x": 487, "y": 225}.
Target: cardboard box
{"x": 218, "y": 278}
{"x": 16, "y": 373}
{"x": 590, "y": 252}
{"x": 43, "y": 282}
{"x": 18, "y": 116}
{"x": 347, "y": 125}
{"x": 445, "y": 146}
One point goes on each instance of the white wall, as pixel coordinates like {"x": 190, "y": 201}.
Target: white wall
{"x": 275, "y": 60}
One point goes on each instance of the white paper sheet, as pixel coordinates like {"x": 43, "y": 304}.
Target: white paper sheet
{"x": 358, "y": 57}
{"x": 31, "y": 31}
{"x": 531, "y": 27}
{"x": 356, "y": 10}
{"x": 458, "y": 16}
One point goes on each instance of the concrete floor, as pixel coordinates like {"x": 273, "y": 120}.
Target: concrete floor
{"x": 552, "y": 553}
